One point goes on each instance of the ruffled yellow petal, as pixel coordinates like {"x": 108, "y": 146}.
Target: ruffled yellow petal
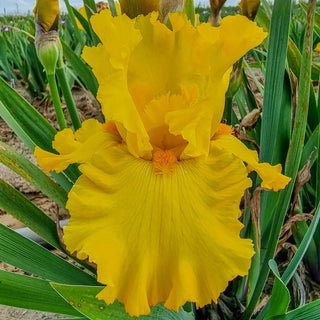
{"x": 317, "y": 48}
{"x": 155, "y": 238}
{"x": 109, "y": 61}
{"x": 271, "y": 175}
{"x": 75, "y": 147}
{"x": 141, "y": 61}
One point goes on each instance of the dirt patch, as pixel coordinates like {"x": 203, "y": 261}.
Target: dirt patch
{"x": 9, "y": 313}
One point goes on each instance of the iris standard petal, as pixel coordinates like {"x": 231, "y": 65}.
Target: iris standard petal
{"x": 141, "y": 60}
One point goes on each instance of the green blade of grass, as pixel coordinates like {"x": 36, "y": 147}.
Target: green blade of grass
{"x": 275, "y": 71}
{"x": 294, "y": 263}
{"x": 310, "y": 147}
{"x": 83, "y": 299}
{"x": 90, "y": 7}
{"x": 72, "y": 18}
{"x": 30, "y": 215}
{"x": 82, "y": 69}
{"x": 113, "y": 8}
{"x": 30, "y": 293}
{"x": 25, "y": 211}
{"x": 31, "y": 257}
{"x": 274, "y": 96}
{"x": 280, "y": 297}
{"x": 33, "y": 128}
{"x": 32, "y": 174}
{"x": 309, "y": 311}
{"x": 190, "y": 12}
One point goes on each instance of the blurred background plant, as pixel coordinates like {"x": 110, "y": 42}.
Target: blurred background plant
{"x": 273, "y": 102}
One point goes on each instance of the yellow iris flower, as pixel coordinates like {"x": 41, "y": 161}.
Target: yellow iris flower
{"x": 157, "y": 204}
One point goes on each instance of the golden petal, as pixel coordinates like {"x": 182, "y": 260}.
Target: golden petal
{"x": 156, "y": 238}
{"x": 75, "y": 147}
{"x": 271, "y": 175}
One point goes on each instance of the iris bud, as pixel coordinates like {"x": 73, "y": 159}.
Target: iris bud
{"x": 249, "y": 8}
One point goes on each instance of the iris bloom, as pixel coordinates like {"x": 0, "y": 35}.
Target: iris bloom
{"x": 157, "y": 204}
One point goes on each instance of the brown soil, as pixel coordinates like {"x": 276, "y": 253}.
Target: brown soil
{"x": 88, "y": 108}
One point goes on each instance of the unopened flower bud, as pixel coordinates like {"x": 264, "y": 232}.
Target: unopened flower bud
{"x": 132, "y": 8}
{"x": 48, "y": 46}
{"x": 249, "y": 8}
{"x": 48, "y": 49}
{"x": 216, "y": 6}
{"x": 46, "y": 15}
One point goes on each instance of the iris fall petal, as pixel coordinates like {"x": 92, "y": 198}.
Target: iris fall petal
{"x": 168, "y": 238}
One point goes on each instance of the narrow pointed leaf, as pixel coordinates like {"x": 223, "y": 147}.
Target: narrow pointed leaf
{"x": 275, "y": 70}
{"x": 280, "y": 297}
{"x": 30, "y": 293}
{"x": 32, "y": 174}
{"x": 113, "y": 8}
{"x": 190, "y": 11}
{"x": 72, "y": 18}
{"x": 83, "y": 71}
{"x": 31, "y": 257}
{"x": 25, "y": 118}
{"x": 25, "y": 211}
{"x": 83, "y": 299}
{"x": 309, "y": 311}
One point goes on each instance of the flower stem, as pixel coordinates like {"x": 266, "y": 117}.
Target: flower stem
{"x": 56, "y": 101}
{"x": 66, "y": 91}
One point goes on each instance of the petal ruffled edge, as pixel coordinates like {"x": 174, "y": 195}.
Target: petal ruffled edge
{"x": 141, "y": 240}
{"x": 271, "y": 175}
{"x": 109, "y": 62}
{"x": 76, "y": 147}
